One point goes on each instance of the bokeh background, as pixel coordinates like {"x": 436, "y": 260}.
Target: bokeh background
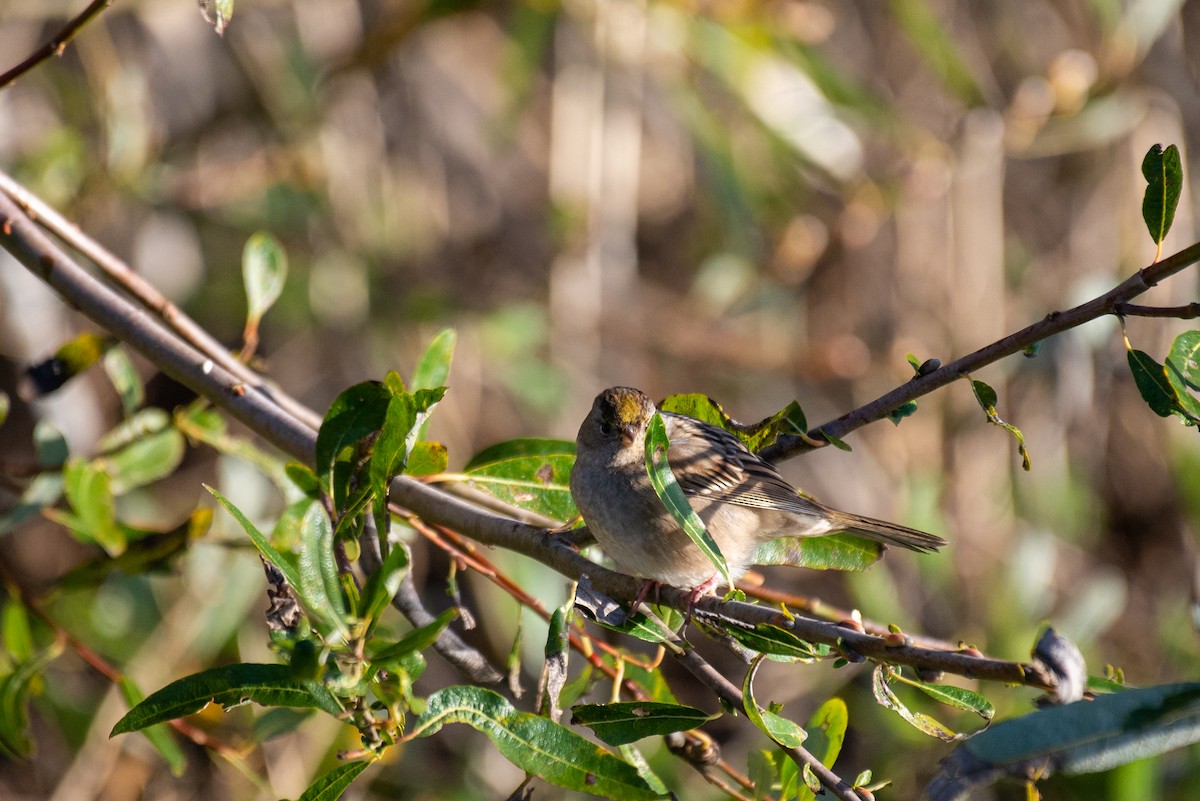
{"x": 761, "y": 201}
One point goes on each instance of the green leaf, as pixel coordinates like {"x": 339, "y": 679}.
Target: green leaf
{"x": 320, "y": 587}
{"x": 760, "y": 768}
{"x": 145, "y": 460}
{"x": 358, "y": 411}
{"x": 159, "y": 735}
{"x": 415, "y": 641}
{"x": 124, "y": 378}
{"x": 44, "y": 491}
{"x": 774, "y": 641}
{"x": 331, "y": 786}
{"x": 1152, "y": 382}
{"x": 1083, "y": 737}
{"x": 904, "y": 410}
{"x": 381, "y": 587}
{"x": 670, "y": 493}
{"x": 987, "y": 399}
{"x": 50, "y": 446}
{"x": 228, "y": 685}
{"x": 264, "y": 546}
{"x": 427, "y": 459}
{"x": 264, "y": 272}
{"x": 538, "y": 482}
{"x": 1183, "y": 373}
{"x": 834, "y": 552}
{"x": 16, "y": 632}
{"x": 15, "y": 689}
{"x": 518, "y": 448}
{"x": 826, "y": 732}
{"x": 918, "y": 720}
{"x": 621, "y": 723}
{"x": 534, "y": 744}
{"x": 1163, "y": 172}
{"x": 433, "y": 369}
{"x": 390, "y": 452}
{"x": 778, "y": 728}
{"x": 88, "y": 488}
{"x": 957, "y": 697}
{"x": 5, "y": 405}
{"x": 788, "y": 421}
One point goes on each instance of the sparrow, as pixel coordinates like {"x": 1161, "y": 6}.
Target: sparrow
{"x": 742, "y": 499}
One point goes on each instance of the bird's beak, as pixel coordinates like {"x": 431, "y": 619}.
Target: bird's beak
{"x": 628, "y": 434}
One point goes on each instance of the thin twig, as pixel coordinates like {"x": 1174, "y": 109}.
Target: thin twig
{"x": 1189, "y": 312}
{"x": 1054, "y": 323}
{"x": 57, "y": 44}
{"x": 145, "y": 293}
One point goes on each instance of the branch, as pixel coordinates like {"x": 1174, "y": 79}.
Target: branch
{"x": 1054, "y": 323}
{"x": 146, "y": 294}
{"x": 1189, "y": 312}
{"x": 57, "y": 44}
{"x": 260, "y": 411}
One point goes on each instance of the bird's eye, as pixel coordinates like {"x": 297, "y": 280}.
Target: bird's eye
{"x": 606, "y": 429}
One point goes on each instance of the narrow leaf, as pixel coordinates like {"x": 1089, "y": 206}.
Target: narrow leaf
{"x": 228, "y": 685}
{"x": 534, "y": 744}
{"x": 834, "y": 552}
{"x": 671, "y": 494}
{"x": 124, "y": 378}
{"x": 518, "y": 448}
{"x": 621, "y": 723}
{"x": 320, "y": 587}
{"x": 433, "y": 369}
{"x": 264, "y": 546}
{"x": 358, "y": 411}
{"x": 331, "y": 785}
{"x": 1083, "y": 737}
{"x": 918, "y": 720}
{"x": 779, "y": 729}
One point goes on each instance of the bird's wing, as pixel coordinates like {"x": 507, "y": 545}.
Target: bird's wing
{"x": 709, "y": 461}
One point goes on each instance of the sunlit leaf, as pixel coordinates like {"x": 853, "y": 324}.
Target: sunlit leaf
{"x": 144, "y": 461}
{"x": 320, "y": 587}
{"x": 433, "y": 369}
{"x": 534, "y": 744}
{"x": 627, "y": 722}
{"x": 778, "y": 728}
{"x": 264, "y": 272}
{"x": 826, "y": 732}
{"x": 918, "y": 720}
{"x": 228, "y": 685}
{"x": 356, "y": 412}
{"x": 1183, "y": 372}
{"x": 789, "y": 421}
{"x": 15, "y": 690}
{"x": 427, "y": 459}
{"x": 331, "y": 785}
{"x": 833, "y": 552}
{"x": 530, "y": 474}
{"x": 671, "y": 494}
{"x": 88, "y": 488}
{"x": 124, "y": 378}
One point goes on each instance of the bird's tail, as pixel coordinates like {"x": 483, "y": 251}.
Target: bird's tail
{"x": 885, "y": 532}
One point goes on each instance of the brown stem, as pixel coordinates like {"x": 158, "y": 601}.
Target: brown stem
{"x": 1189, "y": 312}
{"x": 57, "y": 44}
{"x": 1054, "y": 323}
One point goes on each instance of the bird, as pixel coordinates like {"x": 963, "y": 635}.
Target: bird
{"x": 742, "y": 499}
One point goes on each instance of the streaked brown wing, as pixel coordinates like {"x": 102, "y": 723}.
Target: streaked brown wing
{"x": 709, "y": 461}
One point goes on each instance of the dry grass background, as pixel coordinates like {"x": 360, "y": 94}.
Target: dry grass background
{"x": 757, "y": 200}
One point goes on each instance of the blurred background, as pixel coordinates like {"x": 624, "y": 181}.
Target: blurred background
{"x": 761, "y": 201}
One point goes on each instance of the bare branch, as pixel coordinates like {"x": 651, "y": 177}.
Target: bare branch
{"x": 1189, "y": 312}
{"x": 57, "y": 44}
{"x": 1054, "y": 323}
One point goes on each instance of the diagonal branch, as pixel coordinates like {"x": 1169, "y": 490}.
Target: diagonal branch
{"x": 258, "y": 409}
{"x": 58, "y": 43}
{"x": 1054, "y": 323}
